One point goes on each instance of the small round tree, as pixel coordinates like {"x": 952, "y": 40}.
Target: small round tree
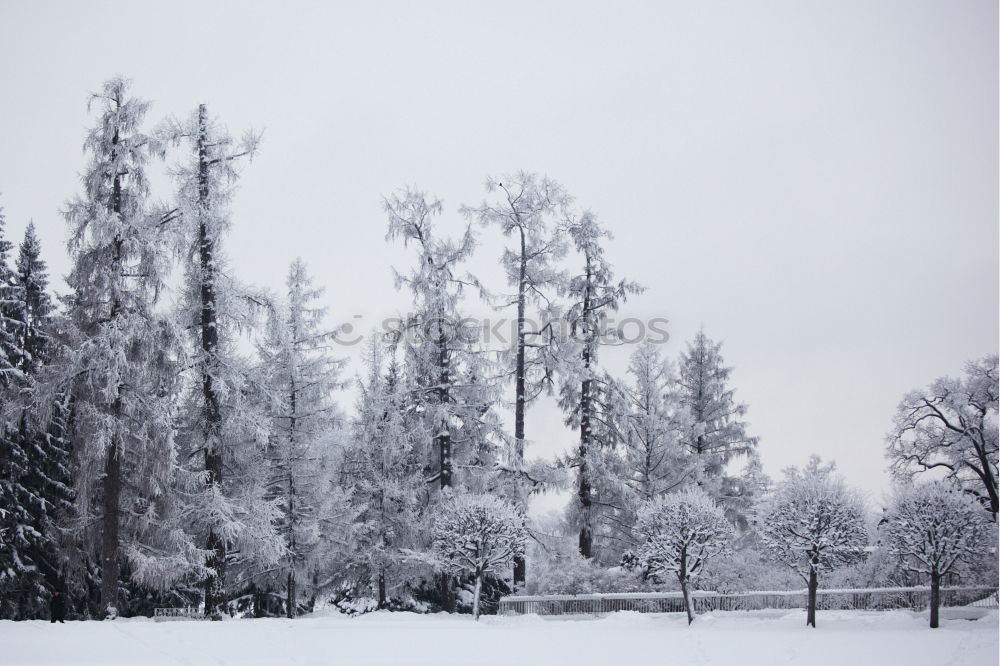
{"x": 813, "y": 522}
{"x": 680, "y": 533}
{"x": 478, "y": 535}
{"x": 934, "y": 529}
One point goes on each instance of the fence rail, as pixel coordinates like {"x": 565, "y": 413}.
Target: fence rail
{"x": 182, "y": 613}
{"x": 885, "y": 598}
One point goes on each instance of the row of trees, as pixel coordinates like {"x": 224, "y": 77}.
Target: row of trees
{"x": 170, "y": 433}
{"x": 814, "y": 523}
{"x": 169, "y": 428}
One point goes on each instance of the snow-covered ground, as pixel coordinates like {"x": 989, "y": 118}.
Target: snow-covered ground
{"x": 773, "y": 637}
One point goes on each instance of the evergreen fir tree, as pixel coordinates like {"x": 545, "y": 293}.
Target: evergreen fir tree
{"x": 301, "y": 376}
{"x": 719, "y": 432}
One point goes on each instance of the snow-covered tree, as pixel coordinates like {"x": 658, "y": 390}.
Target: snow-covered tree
{"x": 951, "y": 426}
{"x": 813, "y": 522}
{"x": 524, "y": 206}
{"x": 382, "y": 468}
{"x": 649, "y": 458}
{"x": 36, "y": 476}
{"x": 478, "y": 535}
{"x": 449, "y": 378}
{"x": 935, "y": 528}
{"x": 10, "y": 301}
{"x": 301, "y": 377}
{"x": 119, "y": 360}
{"x": 450, "y": 374}
{"x": 594, "y": 295}
{"x": 226, "y": 426}
{"x": 681, "y": 532}
{"x": 718, "y": 435}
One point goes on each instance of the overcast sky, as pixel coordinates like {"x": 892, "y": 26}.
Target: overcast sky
{"x": 814, "y": 182}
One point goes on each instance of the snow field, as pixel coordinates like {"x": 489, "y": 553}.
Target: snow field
{"x": 853, "y": 638}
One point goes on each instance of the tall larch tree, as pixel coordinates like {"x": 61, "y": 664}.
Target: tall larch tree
{"x": 227, "y": 426}
{"x": 525, "y": 207}
{"x": 450, "y": 378}
{"x": 594, "y": 294}
{"x": 118, "y": 363}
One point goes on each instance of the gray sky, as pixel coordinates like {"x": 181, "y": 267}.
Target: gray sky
{"x": 814, "y": 182}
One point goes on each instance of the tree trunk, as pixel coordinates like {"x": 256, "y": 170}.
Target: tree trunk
{"x": 112, "y": 486}
{"x": 381, "y": 588}
{"x": 813, "y": 584}
{"x": 290, "y": 596}
{"x": 443, "y": 436}
{"x": 935, "y": 598}
{"x": 688, "y": 606}
{"x": 475, "y": 597}
{"x": 447, "y": 591}
{"x": 215, "y": 583}
{"x": 258, "y": 605}
{"x": 520, "y": 566}
{"x": 110, "y": 564}
{"x": 586, "y": 405}
{"x": 584, "y": 489}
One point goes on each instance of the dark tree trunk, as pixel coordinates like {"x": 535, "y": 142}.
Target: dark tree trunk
{"x": 443, "y": 437}
{"x": 935, "y": 599}
{"x": 688, "y": 607}
{"x": 110, "y": 565}
{"x": 447, "y": 589}
{"x": 290, "y": 596}
{"x": 475, "y": 597}
{"x": 215, "y": 583}
{"x": 112, "y": 485}
{"x": 381, "y": 589}
{"x": 585, "y": 489}
{"x": 813, "y": 584}
{"x": 258, "y": 603}
{"x": 520, "y": 565}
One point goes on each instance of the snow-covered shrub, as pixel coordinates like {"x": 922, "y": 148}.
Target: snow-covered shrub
{"x": 935, "y": 528}
{"x": 680, "y": 533}
{"x": 746, "y": 569}
{"x": 478, "y": 535}
{"x": 574, "y": 574}
{"x": 813, "y": 522}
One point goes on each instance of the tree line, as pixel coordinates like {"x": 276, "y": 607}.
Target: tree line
{"x": 170, "y": 434}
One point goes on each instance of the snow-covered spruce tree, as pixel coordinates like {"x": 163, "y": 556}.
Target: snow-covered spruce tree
{"x": 226, "y": 425}
{"x": 301, "y": 376}
{"x": 951, "y": 426}
{"x": 478, "y": 535}
{"x": 17, "y": 534}
{"x": 10, "y": 303}
{"x": 680, "y": 532}
{"x": 35, "y": 462}
{"x": 813, "y": 522}
{"x": 594, "y": 295}
{"x": 524, "y": 209}
{"x": 382, "y": 468}
{"x": 718, "y": 435}
{"x": 119, "y": 360}
{"x": 449, "y": 378}
{"x": 649, "y": 458}
{"x": 934, "y": 529}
